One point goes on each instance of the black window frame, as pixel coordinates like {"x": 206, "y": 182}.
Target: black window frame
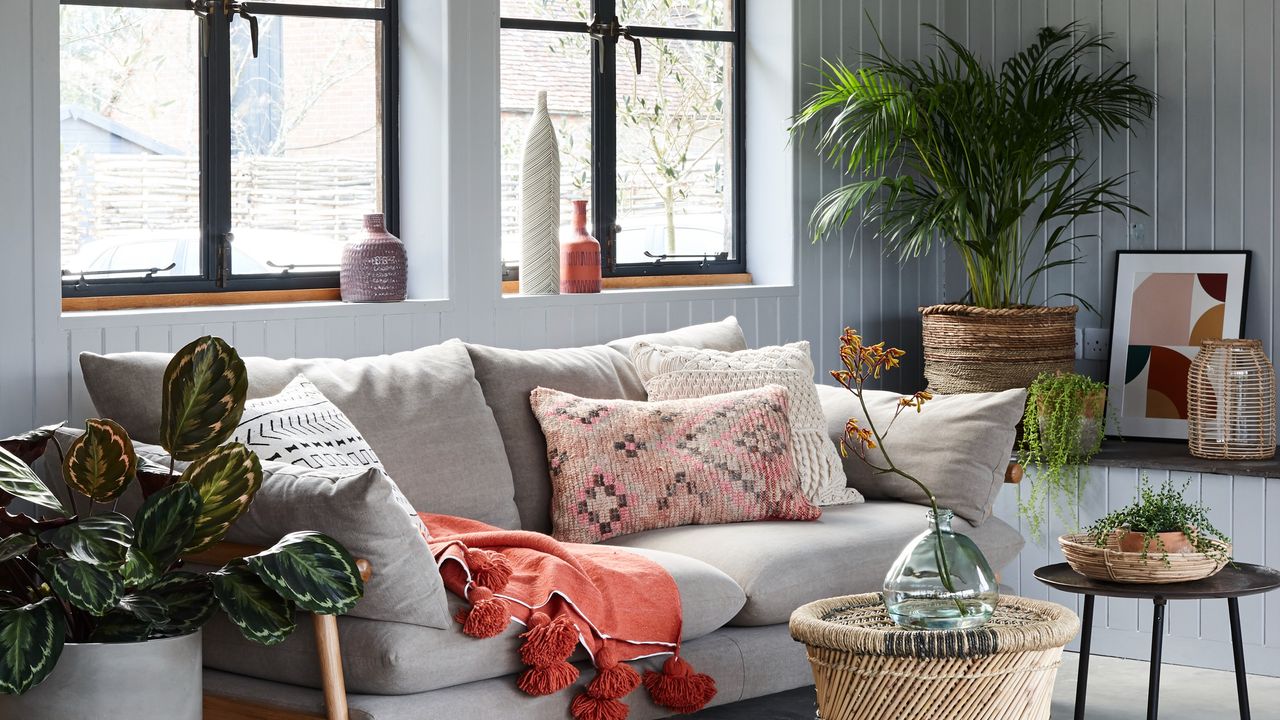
{"x": 215, "y": 152}
{"x": 604, "y": 176}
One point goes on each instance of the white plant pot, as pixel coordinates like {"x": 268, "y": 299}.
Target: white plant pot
{"x": 153, "y": 680}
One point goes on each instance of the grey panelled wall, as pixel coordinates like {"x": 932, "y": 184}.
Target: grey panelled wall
{"x": 1204, "y": 170}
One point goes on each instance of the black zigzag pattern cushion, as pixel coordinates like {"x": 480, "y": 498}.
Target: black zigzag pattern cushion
{"x": 300, "y": 426}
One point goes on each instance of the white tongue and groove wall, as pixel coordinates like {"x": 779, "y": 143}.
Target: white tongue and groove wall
{"x": 1205, "y": 171}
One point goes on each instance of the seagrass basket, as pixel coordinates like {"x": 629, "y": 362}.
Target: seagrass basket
{"x": 1231, "y": 402}
{"x": 973, "y": 349}
{"x": 1111, "y": 564}
{"x": 867, "y": 668}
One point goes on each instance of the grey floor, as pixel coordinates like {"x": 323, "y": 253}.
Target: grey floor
{"x": 1117, "y": 691}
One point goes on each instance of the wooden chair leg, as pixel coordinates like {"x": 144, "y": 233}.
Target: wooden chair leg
{"x": 328, "y": 649}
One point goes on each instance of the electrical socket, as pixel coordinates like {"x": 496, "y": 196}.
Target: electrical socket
{"x": 1079, "y": 344}
{"x": 1097, "y": 343}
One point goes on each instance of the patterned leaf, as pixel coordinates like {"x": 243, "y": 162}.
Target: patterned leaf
{"x": 166, "y": 522}
{"x": 260, "y": 613}
{"x": 202, "y": 398}
{"x": 138, "y": 568}
{"x": 30, "y": 644}
{"x": 146, "y": 608}
{"x": 15, "y": 545}
{"x": 120, "y": 626}
{"x": 101, "y": 462}
{"x": 101, "y": 539}
{"x": 30, "y": 445}
{"x": 312, "y": 570}
{"x": 92, "y": 588}
{"x": 20, "y": 523}
{"x": 227, "y": 480}
{"x": 19, "y": 481}
{"x": 187, "y": 599}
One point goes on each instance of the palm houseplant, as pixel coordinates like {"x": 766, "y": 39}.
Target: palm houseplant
{"x": 110, "y": 596}
{"x": 940, "y": 580}
{"x": 990, "y": 161}
{"x": 1062, "y": 428}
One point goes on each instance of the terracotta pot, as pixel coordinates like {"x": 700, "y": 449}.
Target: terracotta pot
{"x": 1167, "y": 542}
{"x": 971, "y": 349}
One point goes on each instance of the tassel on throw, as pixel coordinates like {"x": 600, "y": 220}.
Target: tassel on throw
{"x": 547, "y": 679}
{"x": 679, "y": 688}
{"x": 487, "y": 617}
{"x": 488, "y": 569}
{"x": 547, "y": 646}
{"x": 586, "y": 707}
{"x": 613, "y": 679}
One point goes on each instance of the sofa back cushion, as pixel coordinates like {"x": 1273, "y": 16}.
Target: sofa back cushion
{"x": 605, "y": 372}
{"x": 421, "y": 411}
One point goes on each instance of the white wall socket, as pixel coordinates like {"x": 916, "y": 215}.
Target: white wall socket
{"x": 1097, "y": 343}
{"x": 1079, "y": 344}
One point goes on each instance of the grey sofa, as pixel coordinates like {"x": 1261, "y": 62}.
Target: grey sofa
{"x": 453, "y": 426}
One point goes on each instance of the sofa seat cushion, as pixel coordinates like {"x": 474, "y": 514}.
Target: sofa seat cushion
{"x": 783, "y": 565}
{"x": 412, "y": 407}
{"x": 391, "y": 658}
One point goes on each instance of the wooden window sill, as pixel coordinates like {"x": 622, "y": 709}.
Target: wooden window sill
{"x": 187, "y": 300}
{"x": 639, "y": 282}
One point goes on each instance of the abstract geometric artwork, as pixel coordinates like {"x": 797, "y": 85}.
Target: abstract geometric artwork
{"x": 1167, "y": 304}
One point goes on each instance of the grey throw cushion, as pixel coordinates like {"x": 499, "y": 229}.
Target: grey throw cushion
{"x": 783, "y": 565}
{"x": 599, "y": 371}
{"x": 421, "y": 411}
{"x": 958, "y": 445}
{"x": 394, "y": 658}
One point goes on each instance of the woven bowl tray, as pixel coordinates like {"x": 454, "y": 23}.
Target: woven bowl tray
{"x": 1109, "y": 563}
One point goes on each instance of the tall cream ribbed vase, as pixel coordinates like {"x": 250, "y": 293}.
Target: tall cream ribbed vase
{"x": 540, "y": 206}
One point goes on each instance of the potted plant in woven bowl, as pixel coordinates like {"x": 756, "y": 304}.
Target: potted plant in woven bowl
{"x": 990, "y": 161}
{"x": 1160, "y": 537}
{"x": 1062, "y": 429}
{"x": 98, "y": 615}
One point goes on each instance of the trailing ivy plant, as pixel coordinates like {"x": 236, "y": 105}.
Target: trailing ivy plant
{"x": 1164, "y": 510}
{"x": 82, "y": 572}
{"x": 1057, "y": 440}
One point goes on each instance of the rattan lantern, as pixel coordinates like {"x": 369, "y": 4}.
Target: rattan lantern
{"x": 1231, "y": 402}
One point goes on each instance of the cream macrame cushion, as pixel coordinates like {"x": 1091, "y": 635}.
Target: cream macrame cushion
{"x": 674, "y": 373}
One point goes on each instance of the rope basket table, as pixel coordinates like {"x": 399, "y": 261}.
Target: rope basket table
{"x": 867, "y": 668}
{"x": 973, "y": 349}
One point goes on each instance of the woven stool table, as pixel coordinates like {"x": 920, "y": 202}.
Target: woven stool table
{"x": 867, "y": 668}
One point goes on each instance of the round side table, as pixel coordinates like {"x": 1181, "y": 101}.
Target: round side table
{"x": 867, "y": 668}
{"x": 1232, "y": 582}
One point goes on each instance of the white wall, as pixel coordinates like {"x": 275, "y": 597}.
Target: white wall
{"x": 450, "y": 223}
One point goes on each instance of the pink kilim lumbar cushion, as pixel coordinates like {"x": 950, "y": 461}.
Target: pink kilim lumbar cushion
{"x": 623, "y": 466}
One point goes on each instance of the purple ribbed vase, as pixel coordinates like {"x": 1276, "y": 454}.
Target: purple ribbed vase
{"x": 374, "y": 268}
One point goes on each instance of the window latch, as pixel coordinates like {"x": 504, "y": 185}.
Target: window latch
{"x": 611, "y": 30}
{"x": 83, "y": 275}
{"x": 223, "y": 259}
{"x": 230, "y": 9}
{"x": 704, "y": 258}
{"x": 612, "y": 240}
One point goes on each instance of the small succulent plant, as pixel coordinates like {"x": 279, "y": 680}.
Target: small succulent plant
{"x": 91, "y": 574}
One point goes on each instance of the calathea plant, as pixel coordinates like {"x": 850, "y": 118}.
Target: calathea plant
{"x": 82, "y": 572}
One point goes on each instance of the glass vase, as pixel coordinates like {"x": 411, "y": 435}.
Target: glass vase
{"x": 940, "y": 581}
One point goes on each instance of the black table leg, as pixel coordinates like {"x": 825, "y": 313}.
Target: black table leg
{"x": 1082, "y": 673}
{"x": 1237, "y": 650}
{"x": 1157, "y": 649}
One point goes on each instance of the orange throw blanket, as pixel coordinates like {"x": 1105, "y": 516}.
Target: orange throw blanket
{"x": 618, "y": 605}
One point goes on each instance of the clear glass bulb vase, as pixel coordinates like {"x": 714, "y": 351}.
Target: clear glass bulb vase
{"x": 940, "y": 581}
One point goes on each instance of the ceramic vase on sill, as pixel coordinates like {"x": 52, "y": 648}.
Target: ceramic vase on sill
{"x": 540, "y": 205}
{"x": 580, "y": 257}
{"x": 916, "y": 595}
{"x": 374, "y": 267}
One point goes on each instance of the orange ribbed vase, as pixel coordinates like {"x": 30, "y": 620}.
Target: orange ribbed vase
{"x": 580, "y": 257}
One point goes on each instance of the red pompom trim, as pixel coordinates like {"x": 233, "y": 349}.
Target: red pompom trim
{"x": 487, "y": 617}
{"x": 586, "y": 707}
{"x": 548, "y": 641}
{"x": 547, "y": 679}
{"x": 679, "y": 688}
{"x": 488, "y": 569}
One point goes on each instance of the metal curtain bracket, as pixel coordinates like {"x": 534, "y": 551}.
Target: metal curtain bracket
{"x": 611, "y": 30}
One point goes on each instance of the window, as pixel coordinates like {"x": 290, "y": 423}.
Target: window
{"x": 222, "y": 145}
{"x": 646, "y": 97}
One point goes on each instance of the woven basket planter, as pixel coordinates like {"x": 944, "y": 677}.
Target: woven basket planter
{"x": 1231, "y": 402}
{"x": 867, "y": 668}
{"x": 972, "y": 349}
{"x": 1109, "y": 563}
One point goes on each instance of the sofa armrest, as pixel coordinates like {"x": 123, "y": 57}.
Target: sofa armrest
{"x": 328, "y": 648}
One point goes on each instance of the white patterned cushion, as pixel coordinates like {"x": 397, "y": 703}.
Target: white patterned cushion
{"x": 671, "y": 373}
{"x": 299, "y": 426}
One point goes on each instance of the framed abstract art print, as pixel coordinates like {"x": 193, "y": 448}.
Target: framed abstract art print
{"x": 1166, "y": 304}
